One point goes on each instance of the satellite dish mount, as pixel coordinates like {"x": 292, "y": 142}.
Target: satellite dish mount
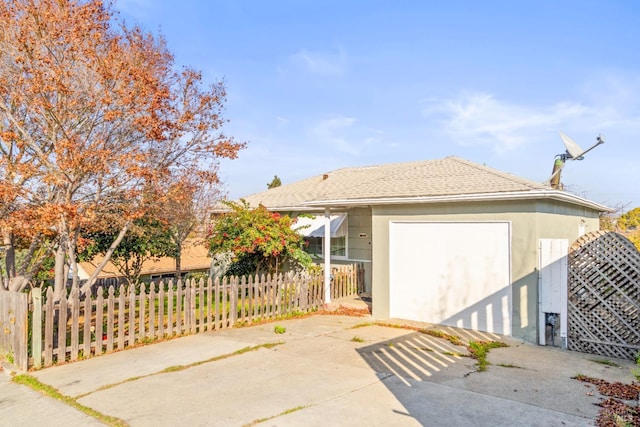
{"x": 573, "y": 152}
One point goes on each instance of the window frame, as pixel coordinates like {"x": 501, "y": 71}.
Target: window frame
{"x": 344, "y": 247}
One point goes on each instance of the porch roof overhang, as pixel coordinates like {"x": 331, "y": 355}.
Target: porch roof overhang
{"x": 314, "y": 227}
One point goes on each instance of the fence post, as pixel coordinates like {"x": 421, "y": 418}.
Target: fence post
{"x": 209, "y": 306}
{"x": 48, "y": 328}
{"x": 62, "y": 328}
{"x": 192, "y": 310}
{"x": 13, "y": 326}
{"x": 22, "y": 325}
{"x": 224, "y": 291}
{"x": 233, "y": 309}
{"x": 36, "y": 327}
{"x": 187, "y": 306}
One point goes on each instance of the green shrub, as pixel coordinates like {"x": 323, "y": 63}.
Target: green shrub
{"x": 636, "y": 372}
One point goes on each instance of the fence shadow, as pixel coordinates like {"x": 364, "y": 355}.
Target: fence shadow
{"x": 406, "y": 363}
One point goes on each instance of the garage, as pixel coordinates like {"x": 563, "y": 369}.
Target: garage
{"x": 444, "y": 241}
{"x": 451, "y": 273}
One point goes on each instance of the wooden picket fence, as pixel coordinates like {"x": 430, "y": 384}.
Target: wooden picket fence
{"x": 14, "y": 327}
{"x": 117, "y": 318}
{"x": 76, "y": 327}
{"x": 347, "y": 280}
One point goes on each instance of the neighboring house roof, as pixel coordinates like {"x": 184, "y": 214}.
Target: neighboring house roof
{"x": 447, "y": 179}
{"x": 195, "y": 256}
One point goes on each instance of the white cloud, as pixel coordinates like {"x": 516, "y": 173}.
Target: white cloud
{"x": 281, "y": 122}
{"x": 346, "y": 135}
{"x": 481, "y": 119}
{"x": 335, "y": 132}
{"x": 321, "y": 63}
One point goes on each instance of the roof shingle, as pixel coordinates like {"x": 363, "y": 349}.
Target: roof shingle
{"x": 449, "y": 176}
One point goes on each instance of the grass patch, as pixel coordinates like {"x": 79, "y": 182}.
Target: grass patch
{"x": 279, "y": 329}
{"x": 453, "y": 339}
{"x": 47, "y": 390}
{"x": 436, "y": 333}
{"x": 509, "y": 365}
{"x": 285, "y": 412}
{"x": 395, "y": 326}
{"x": 357, "y": 339}
{"x": 449, "y": 353}
{"x": 346, "y": 311}
{"x": 362, "y": 325}
{"x": 216, "y": 358}
{"x": 605, "y": 362}
{"x": 479, "y": 351}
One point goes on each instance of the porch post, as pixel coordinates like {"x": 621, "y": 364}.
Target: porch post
{"x": 327, "y": 255}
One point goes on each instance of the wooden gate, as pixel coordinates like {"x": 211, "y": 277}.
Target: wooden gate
{"x": 604, "y": 296}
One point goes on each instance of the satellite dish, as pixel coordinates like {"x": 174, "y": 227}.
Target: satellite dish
{"x": 573, "y": 152}
{"x": 573, "y": 149}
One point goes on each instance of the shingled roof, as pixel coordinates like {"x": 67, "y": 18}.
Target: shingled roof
{"x": 439, "y": 179}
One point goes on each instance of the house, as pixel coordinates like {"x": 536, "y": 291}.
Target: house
{"x": 195, "y": 259}
{"x": 444, "y": 241}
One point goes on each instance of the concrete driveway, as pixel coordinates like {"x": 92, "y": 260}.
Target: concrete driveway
{"x": 325, "y": 370}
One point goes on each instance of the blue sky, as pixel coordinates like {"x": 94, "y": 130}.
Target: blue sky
{"x": 317, "y": 85}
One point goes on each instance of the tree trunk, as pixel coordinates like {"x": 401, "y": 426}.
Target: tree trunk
{"x": 9, "y": 257}
{"x": 60, "y": 282}
{"x": 107, "y": 256}
{"x": 73, "y": 263}
{"x": 17, "y": 279}
{"x": 178, "y": 260}
{"x": 18, "y": 283}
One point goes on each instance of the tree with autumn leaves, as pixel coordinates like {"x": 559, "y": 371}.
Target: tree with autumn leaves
{"x": 257, "y": 240}
{"x": 627, "y": 223}
{"x": 95, "y": 118}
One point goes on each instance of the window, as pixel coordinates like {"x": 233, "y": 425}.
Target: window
{"x": 314, "y": 245}
{"x": 338, "y": 246}
{"x": 313, "y": 230}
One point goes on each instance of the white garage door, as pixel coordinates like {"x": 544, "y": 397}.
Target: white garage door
{"x": 451, "y": 273}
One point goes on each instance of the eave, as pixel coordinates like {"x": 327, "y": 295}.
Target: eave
{"x": 479, "y": 197}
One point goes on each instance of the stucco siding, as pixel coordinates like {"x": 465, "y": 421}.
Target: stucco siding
{"x": 359, "y": 241}
{"x": 530, "y": 221}
{"x": 359, "y": 234}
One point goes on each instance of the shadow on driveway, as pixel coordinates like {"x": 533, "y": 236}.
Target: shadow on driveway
{"x": 437, "y": 382}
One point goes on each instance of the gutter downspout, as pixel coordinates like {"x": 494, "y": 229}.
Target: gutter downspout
{"x": 327, "y": 255}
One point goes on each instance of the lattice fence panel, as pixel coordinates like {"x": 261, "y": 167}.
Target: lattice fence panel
{"x": 604, "y": 295}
